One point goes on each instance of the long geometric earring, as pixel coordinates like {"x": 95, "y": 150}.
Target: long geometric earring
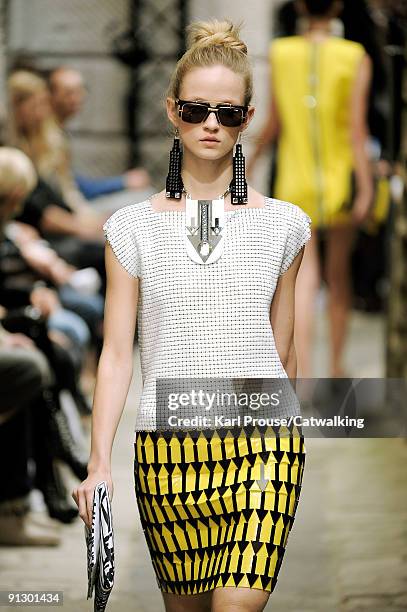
{"x": 174, "y": 184}
{"x": 239, "y": 185}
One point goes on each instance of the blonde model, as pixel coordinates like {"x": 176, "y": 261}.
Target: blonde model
{"x": 208, "y": 267}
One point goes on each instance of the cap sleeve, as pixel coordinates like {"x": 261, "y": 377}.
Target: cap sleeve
{"x": 298, "y": 234}
{"x": 119, "y": 233}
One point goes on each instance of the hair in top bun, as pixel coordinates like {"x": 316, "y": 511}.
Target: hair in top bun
{"x": 211, "y": 43}
{"x": 207, "y": 33}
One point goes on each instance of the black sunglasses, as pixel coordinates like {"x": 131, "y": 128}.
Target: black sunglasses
{"x": 228, "y": 115}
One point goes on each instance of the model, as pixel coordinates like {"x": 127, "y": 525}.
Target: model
{"x": 208, "y": 268}
{"x": 318, "y": 115}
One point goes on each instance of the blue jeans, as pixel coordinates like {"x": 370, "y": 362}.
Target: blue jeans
{"x": 72, "y": 325}
{"x": 89, "y": 307}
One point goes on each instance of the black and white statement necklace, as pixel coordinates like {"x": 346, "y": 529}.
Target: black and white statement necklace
{"x": 205, "y": 228}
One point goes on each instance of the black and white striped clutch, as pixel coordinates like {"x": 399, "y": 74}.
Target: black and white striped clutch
{"x": 100, "y": 548}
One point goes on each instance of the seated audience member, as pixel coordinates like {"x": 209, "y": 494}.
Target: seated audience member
{"x": 67, "y": 98}
{"x": 33, "y": 129}
{"x": 18, "y": 281}
{"x": 24, "y": 372}
{"x": 71, "y": 226}
{"x": 77, "y": 289}
{"x": 26, "y": 271}
{"x": 78, "y": 243}
{"x": 17, "y": 177}
{"x": 34, "y": 431}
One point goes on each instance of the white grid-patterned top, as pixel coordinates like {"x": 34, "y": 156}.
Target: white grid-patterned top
{"x": 206, "y": 320}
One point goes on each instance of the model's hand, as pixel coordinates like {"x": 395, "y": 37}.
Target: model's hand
{"x": 83, "y": 494}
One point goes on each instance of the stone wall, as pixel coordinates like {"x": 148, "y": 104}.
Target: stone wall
{"x": 80, "y": 33}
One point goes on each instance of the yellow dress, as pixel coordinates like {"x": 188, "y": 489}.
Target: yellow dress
{"x": 312, "y": 84}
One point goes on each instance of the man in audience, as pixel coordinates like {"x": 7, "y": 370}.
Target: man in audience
{"x": 67, "y": 97}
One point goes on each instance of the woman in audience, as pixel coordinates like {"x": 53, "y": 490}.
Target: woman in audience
{"x": 74, "y": 231}
{"x": 21, "y": 282}
{"x": 33, "y": 129}
{"x": 45, "y": 211}
{"x": 18, "y": 280}
{"x": 51, "y": 435}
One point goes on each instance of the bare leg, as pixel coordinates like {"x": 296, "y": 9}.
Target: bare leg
{"x": 307, "y": 285}
{"x": 337, "y": 266}
{"x": 188, "y": 603}
{"x": 237, "y": 599}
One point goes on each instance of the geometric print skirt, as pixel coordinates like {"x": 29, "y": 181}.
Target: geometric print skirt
{"x": 217, "y": 506}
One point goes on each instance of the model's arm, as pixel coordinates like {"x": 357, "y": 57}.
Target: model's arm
{"x": 282, "y": 316}
{"x": 359, "y": 136}
{"x": 113, "y": 378}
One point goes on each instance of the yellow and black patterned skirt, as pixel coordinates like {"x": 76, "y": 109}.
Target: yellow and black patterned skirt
{"x": 217, "y": 506}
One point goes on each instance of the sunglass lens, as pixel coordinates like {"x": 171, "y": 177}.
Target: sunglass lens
{"x": 193, "y": 113}
{"x": 230, "y": 117}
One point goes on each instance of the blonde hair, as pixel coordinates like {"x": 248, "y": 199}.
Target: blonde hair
{"x": 42, "y": 147}
{"x": 16, "y": 172}
{"x": 212, "y": 43}
{"x": 22, "y": 84}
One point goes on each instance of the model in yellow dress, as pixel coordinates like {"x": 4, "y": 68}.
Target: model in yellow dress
{"x": 313, "y": 83}
{"x": 318, "y": 114}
